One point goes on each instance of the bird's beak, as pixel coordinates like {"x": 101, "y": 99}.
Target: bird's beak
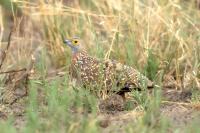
{"x": 66, "y": 41}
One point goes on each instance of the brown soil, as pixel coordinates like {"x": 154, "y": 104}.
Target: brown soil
{"x": 175, "y": 107}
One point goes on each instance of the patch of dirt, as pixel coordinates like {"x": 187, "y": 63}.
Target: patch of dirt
{"x": 176, "y": 95}
{"x": 178, "y": 111}
{"x": 16, "y": 110}
{"x": 118, "y": 121}
{"x": 178, "y": 114}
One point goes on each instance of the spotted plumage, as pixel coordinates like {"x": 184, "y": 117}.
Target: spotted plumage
{"x": 106, "y": 74}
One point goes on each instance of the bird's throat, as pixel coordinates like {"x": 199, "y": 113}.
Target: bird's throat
{"x": 74, "y": 50}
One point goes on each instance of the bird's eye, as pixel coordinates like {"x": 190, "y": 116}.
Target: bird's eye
{"x": 75, "y": 42}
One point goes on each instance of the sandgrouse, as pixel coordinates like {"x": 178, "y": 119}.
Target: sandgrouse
{"x": 109, "y": 75}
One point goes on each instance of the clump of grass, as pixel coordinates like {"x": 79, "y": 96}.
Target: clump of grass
{"x": 60, "y": 109}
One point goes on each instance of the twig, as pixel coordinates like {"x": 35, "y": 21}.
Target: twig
{"x": 13, "y": 71}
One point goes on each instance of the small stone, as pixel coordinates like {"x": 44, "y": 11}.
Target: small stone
{"x": 104, "y": 123}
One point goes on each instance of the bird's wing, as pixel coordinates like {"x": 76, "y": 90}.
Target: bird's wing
{"x": 126, "y": 76}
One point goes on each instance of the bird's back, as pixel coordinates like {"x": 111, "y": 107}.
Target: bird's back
{"x": 107, "y": 74}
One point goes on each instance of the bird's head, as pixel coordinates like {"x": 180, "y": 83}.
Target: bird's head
{"x": 73, "y": 43}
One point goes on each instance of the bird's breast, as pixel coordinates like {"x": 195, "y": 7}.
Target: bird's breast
{"x": 75, "y": 58}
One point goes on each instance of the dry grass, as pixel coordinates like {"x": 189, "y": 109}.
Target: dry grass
{"x": 124, "y": 30}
